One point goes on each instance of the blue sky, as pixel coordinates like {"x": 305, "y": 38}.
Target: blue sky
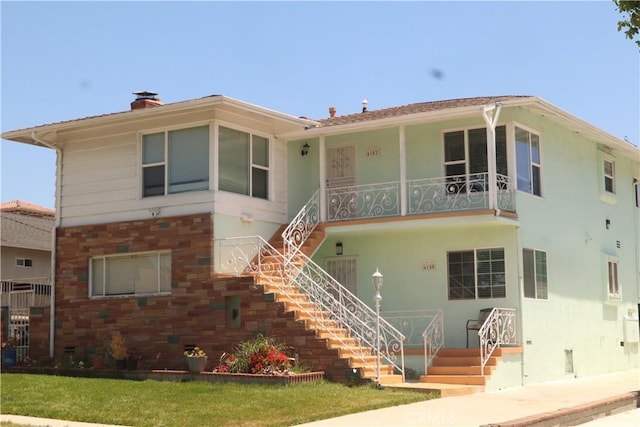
{"x": 67, "y": 60}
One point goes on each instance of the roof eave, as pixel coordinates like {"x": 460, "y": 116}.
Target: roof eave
{"x": 26, "y": 135}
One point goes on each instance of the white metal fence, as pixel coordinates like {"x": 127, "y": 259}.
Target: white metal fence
{"x": 17, "y": 297}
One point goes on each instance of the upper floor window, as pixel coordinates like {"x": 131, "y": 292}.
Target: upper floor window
{"x": 528, "y": 161}
{"x": 130, "y": 274}
{"x": 609, "y": 168}
{"x": 535, "y": 274}
{"x": 465, "y": 158}
{"x": 477, "y": 274}
{"x": 24, "y": 262}
{"x": 175, "y": 161}
{"x": 613, "y": 282}
{"x": 243, "y": 163}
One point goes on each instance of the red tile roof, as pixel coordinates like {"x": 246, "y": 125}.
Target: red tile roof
{"x": 25, "y": 207}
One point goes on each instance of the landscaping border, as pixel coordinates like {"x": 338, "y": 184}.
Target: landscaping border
{"x": 174, "y": 375}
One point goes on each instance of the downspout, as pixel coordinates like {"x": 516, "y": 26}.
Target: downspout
{"x": 403, "y": 171}
{"x": 323, "y": 178}
{"x": 52, "y": 311}
{"x": 491, "y": 120}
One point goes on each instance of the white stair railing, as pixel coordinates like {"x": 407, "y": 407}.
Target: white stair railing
{"x": 302, "y": 226}
{"x": 333, "y": 307}
{"x": 433, "y": 338}
{"x": 498, "y": 329}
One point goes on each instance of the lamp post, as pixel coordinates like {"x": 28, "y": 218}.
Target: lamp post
{"x": 377, "y": 284}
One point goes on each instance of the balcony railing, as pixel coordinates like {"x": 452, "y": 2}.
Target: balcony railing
{"x": 423, "y": 196}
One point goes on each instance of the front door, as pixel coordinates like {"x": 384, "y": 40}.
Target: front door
{"x": 341, "y": 178}
{"x": 345, "y": 271}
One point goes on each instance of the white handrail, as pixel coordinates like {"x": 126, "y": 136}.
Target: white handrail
{"x": 499, "y": 328}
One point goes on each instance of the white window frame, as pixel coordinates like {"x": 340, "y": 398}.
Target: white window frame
{"x": 251, "y": 165}
{"x": 609, "y": 177}
{"x": 104, "y": 258}
{"x": 165, "y": 162}
{"x": 24, "y": 262}
{"x": 532, "y": 164}
{"x": 471, "y": 177}
{"x": 614, "y": 287}
{"x": 476, "y": 274}
{"x": 535, "y": 274}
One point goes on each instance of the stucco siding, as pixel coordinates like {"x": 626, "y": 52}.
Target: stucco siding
{"x": 576, "y": 331}
{"x": 400, "y": 255}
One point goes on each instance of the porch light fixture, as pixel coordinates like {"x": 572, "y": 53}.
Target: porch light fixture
{"x": 377, "y": 285}
{"x": 607, "y": 223}
{"x": 305, "y": 150}
{"x": 339, "y": 248}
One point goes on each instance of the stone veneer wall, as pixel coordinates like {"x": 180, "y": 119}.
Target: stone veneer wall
{"x": 199, "y": 311}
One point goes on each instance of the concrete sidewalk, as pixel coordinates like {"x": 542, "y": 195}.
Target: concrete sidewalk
{"x": 530, "y": 405}
{"x": 525, "y": 405}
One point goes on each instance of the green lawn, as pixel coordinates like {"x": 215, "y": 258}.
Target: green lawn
{"x": 157, "y": 403}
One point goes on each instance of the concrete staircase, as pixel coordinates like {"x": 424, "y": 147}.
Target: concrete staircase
{"x": 359, "y": 357}
{"x": 461, "y": 366}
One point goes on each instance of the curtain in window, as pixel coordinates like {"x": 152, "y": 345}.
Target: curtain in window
{"x": 189, "y": 159}
{"x": 233, "y": 164}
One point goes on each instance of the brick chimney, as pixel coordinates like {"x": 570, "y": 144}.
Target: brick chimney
{"x": 332, "y": 112}
{"x": 145, "y": 99}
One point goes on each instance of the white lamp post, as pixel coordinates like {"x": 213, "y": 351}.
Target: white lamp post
{"x": 377, "y": 284}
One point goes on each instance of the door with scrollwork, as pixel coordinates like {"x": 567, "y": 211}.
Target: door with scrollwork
{"x": 345, "y": 271}
{"x": 341, "y": 179}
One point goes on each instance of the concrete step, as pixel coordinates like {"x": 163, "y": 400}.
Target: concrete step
{"x": 460, "y": 370}
{"x": 462, "y": 361}
{"x": 454, "y": 379}
{"x": 466, "y": 352}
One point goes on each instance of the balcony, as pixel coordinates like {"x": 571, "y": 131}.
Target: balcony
{"x": 460, "y": 193}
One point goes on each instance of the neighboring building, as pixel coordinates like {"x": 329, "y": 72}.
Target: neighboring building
{"x": 25, "y": 252}
{"x": 501, "y": 202}
{"x": 26, "y": 240}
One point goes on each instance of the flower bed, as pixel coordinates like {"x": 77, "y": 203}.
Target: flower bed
{"x": 302, "y": 378}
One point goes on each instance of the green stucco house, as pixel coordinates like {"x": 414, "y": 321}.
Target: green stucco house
{"x": 507, "y": 232}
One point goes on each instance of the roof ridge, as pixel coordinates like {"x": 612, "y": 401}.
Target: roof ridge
{"x": 25, "y": 207}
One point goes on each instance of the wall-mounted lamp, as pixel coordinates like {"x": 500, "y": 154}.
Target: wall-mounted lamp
{"x": 305, "y": 150}
{"x": 607, "y": 223}
{"x": 339, "y": 248}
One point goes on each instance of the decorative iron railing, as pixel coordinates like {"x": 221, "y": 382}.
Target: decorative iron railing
{"x": 424, "y": 196}
{"x": 302, "y": 225}
{"x": 411, "y": 323}
{"x": 363, "y": 201}
{"x": 498, "y": 329}
{"x": 333, "y": 306}
{"x": 457, "y": 193}
{"x": 433, "y": 338}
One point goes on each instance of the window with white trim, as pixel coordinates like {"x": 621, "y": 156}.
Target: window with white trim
{"x": 613, "y": 281}
{"x": 535, "y": 274}
{"x": 476, "y": 274}
{"x": 24, "y": 262}
{"x": 609, "y": 169}
{"x": 243, "y": 163}
{"x": 175, "y": 161}
{"x": 465, "y": 158}
{"x": 528, "y": 161}
{"x": 130, "y": 274}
